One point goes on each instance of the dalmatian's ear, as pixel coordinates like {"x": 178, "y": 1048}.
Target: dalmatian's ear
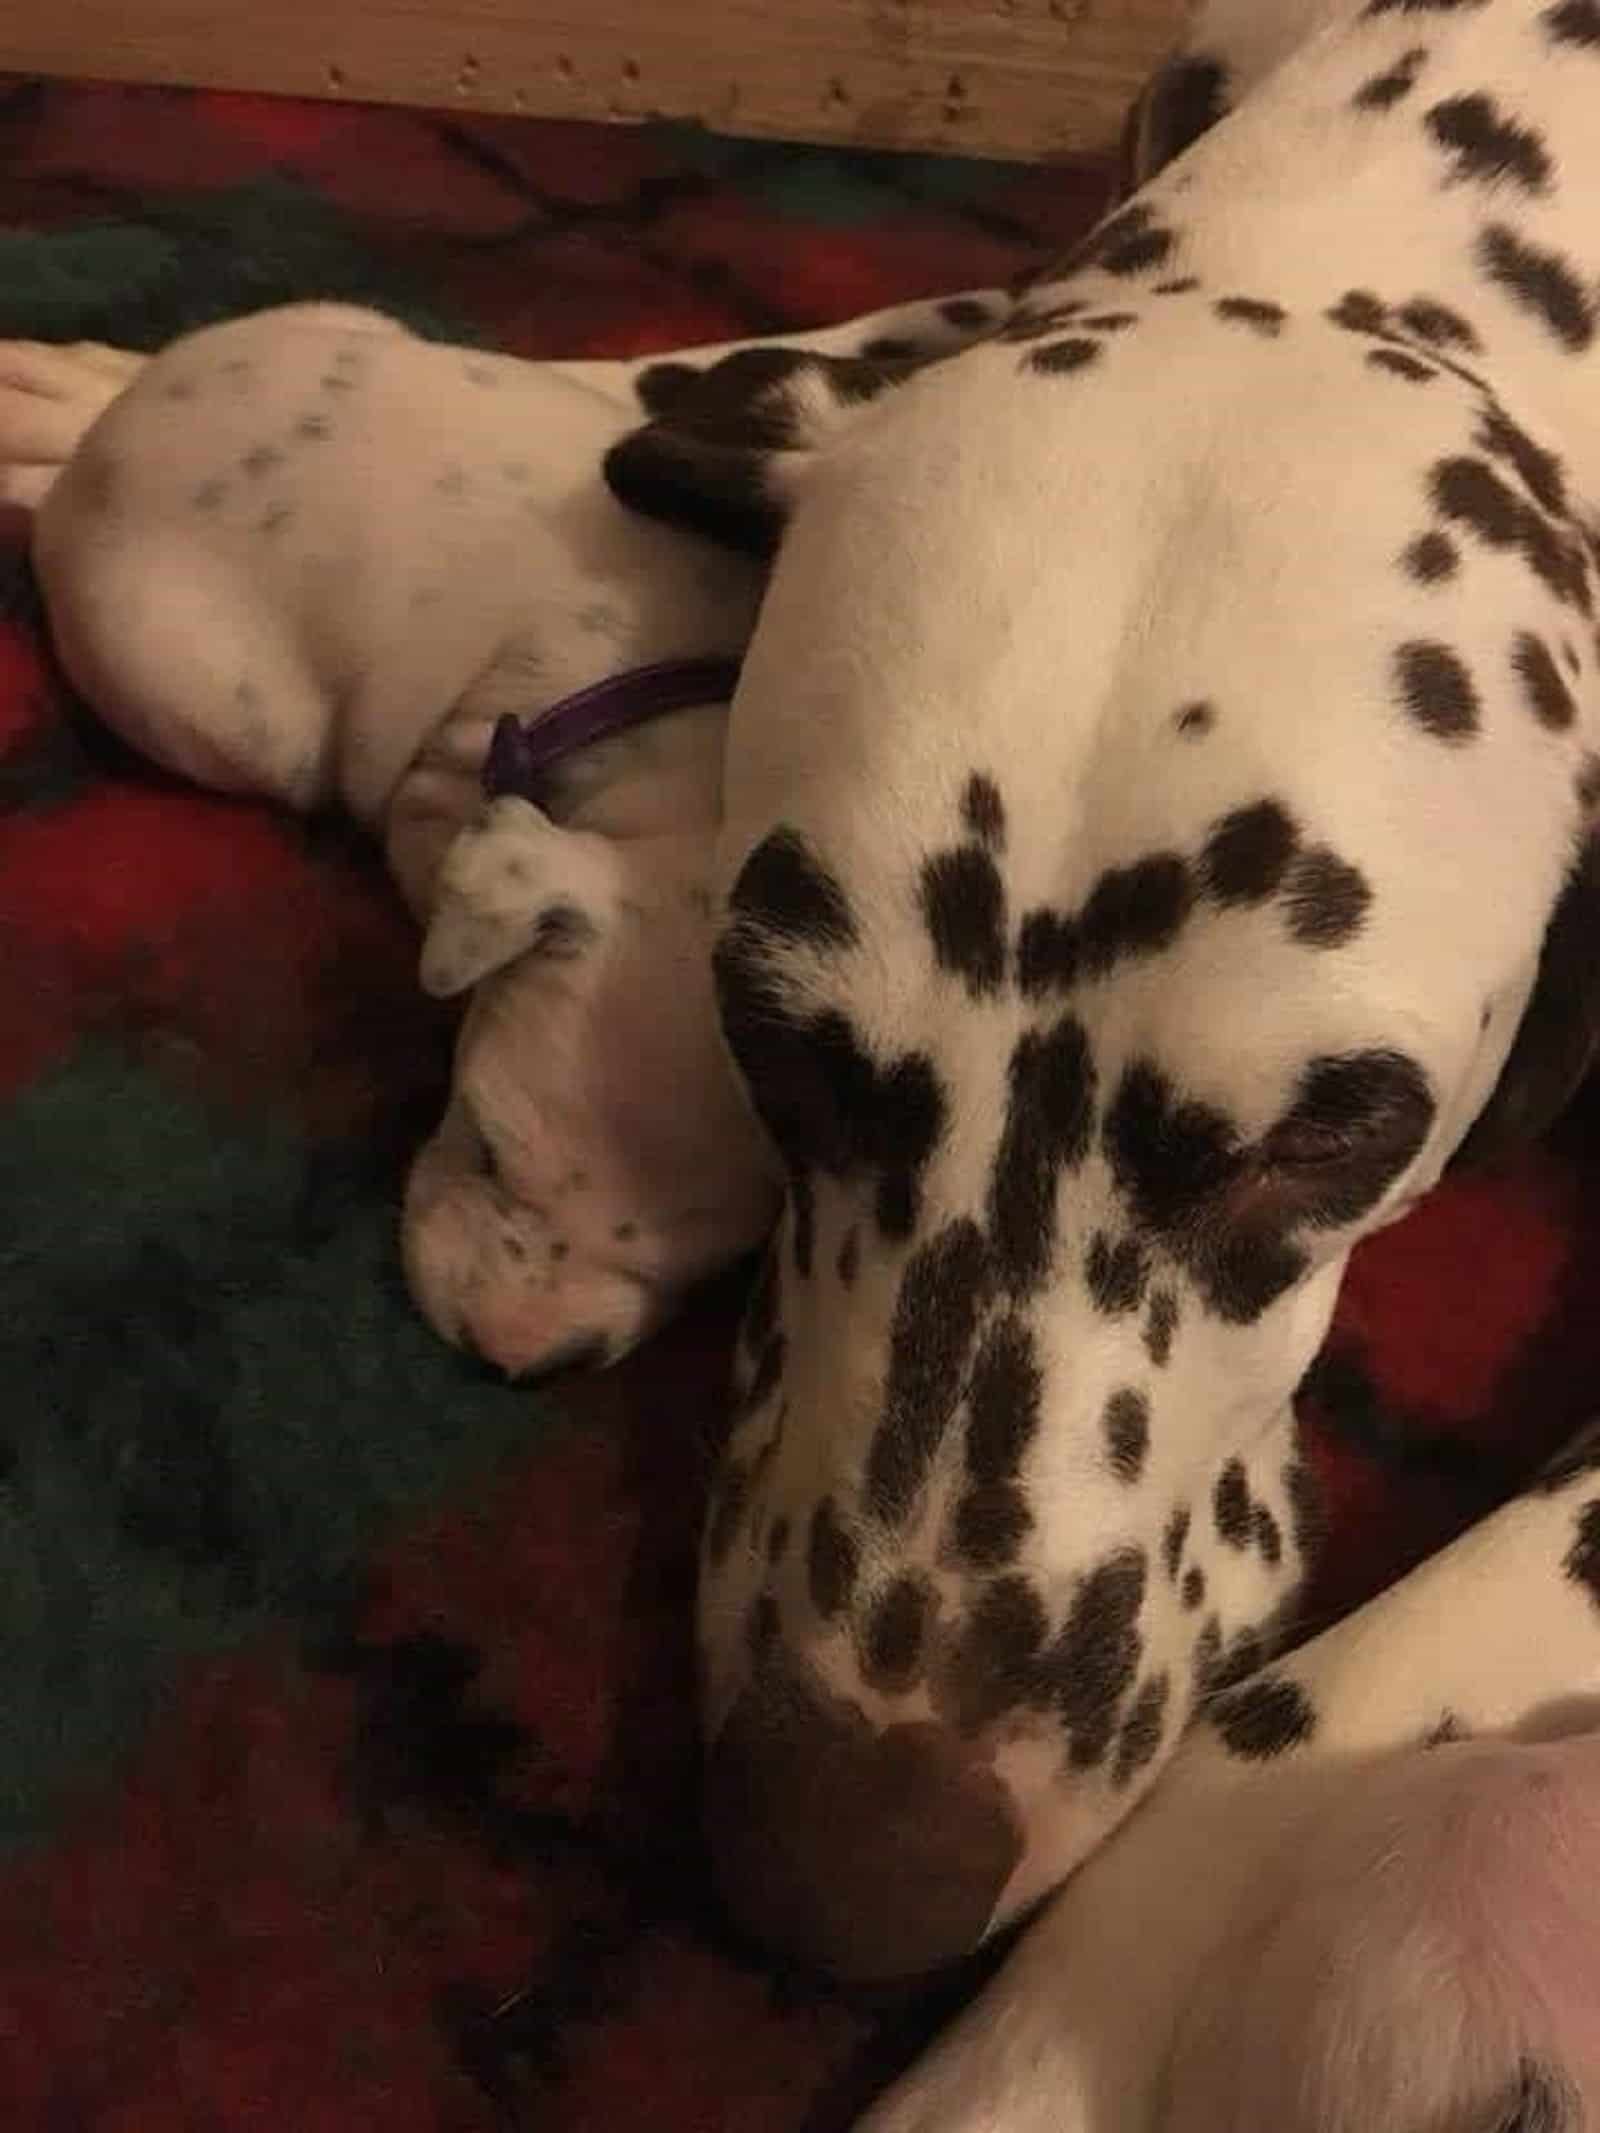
{"x": 507, "y": 888}
{"x": 1558, "y": 1039}
{"x": 727, "y": 455}
{"x": 1183, "y": 99}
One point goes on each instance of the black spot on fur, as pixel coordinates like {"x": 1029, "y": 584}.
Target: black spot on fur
{"x": 1109, "y": 321}
{"x": 314, "y": 428}
{"x": 1140, "y": 1737}
{"x": 778, "y": 1540}
{"x": 1034, "y": 324}
{"x": 1237, "y": 1661}
{"x": 1133, "y": 911}
{"x": 849, "y": 1258}
{"x": 262, "y": 459}
{"x": 1388, "y": 88}
{"x": 1541, "y": 282}
{"x": 983, "y": 811}
{"x": 827, "y": 1104}
{"x": 833, "y": 1561}
{"x": 1194, "y": 1587}
{"x": 1267, "y": 1535}
{"x": 994, "y": 1662}
{"x": 1327, "y": 899}
{"x": 1116, "y": 1273}
{"x": 1003, "y": 1402}
{"x": 1127, "y": 1428}
{"x": 1486, "y": 146}
{"x": 1575, "y": 22}
{"x": 964, "y": 908}
{"x": 1057, "y": 359}
{"x": 1230, "y": 1505}
{"x": 1206, "y": 1656}
{"x": 1431, "y": 558}
{"x": 1470, "y": 492}
{"x": 1049, "y": 1112}
{"x": 894, "y": 1641}
{"x": 942, "y": 1294}
{"x": 1248, "y": 852}
{"x": 991, "y": 1523}
{"x": 1167, "y": 1155}
{"x": 891, "y": 348}
{"x": 1131, "y": 242}
{"x": 965, "y": 313}
{"x": 1401, "y": 365}
{"x": 785, "y": 890}
{"x": 1183, "y": 285}
{"x": 1193, "y": 720}
{"x": 1049, "y": 953}
{"x": 1437, "y": 324}
{"x": 1174, "y": 1539}
{"x": 1540, "y": 471}
{"x": 1586, "y": 786}
{"x": 1263, "y": 318}
{"x": 660, "y": 385}
{"x": 1583, "y": 1557}
{"x": 1159, "y": 1326}
{"x": 1549, "y": 698}
{"x": 1437, "y": 691}
{"x": 1096, "y": 1655}
{"x": 1359, "y": 311}
{"x": 1265, "y": 1718}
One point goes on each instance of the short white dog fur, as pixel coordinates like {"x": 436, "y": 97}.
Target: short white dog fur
{"x": 309, "y": 556}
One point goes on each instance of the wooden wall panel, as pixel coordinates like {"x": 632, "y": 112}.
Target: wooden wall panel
{"x": 1028, "y": 78}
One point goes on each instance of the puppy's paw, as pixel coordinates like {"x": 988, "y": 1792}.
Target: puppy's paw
{"x": 513, "y": 884}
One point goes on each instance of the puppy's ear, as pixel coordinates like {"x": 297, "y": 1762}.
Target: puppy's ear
{"x": 728, "y": 452}
{"x": 503, "y": 893}
{"x": 1558, "y": 1038}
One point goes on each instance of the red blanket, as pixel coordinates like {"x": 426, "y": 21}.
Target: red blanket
{"x": 348, "y": 1777}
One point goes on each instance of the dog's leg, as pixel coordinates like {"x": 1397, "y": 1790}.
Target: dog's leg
{"x": 1361, "y": 1896}
{"x": 49, "y": 398}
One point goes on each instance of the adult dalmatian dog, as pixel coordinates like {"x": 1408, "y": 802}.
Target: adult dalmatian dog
{"x": 1160, "y": 835}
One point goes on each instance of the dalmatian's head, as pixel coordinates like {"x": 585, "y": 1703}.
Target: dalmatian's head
{"x": 1154, "y": 837}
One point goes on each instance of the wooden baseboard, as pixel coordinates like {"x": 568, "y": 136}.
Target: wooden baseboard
{"x": 1024, "y": 78}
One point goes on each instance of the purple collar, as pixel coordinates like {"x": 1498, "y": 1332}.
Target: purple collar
{"x": 521, "y": 756}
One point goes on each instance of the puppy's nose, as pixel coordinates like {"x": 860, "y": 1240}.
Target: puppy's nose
{"x": 871, "y": 1855}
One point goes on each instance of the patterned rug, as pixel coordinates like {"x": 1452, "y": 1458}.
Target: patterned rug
{"x": 348, "y": 1772}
